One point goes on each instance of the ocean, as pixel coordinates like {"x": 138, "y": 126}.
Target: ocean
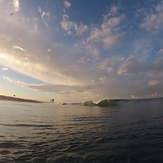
{"x": 129, "y": 132}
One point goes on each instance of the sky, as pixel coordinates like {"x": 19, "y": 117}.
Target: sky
{"x": 79, "y": 50}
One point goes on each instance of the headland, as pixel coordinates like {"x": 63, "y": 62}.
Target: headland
{"x": 10, "y": 98}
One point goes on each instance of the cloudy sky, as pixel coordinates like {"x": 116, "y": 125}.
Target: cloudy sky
{"x": 80, "y": 50}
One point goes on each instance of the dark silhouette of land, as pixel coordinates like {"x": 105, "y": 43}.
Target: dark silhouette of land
{"x": 9, "y": 98}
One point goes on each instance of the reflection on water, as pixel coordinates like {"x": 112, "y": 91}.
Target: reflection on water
{"x": 128, "y": 132}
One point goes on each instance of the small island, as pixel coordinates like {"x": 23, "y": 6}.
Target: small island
{"x": 9, "y": 98}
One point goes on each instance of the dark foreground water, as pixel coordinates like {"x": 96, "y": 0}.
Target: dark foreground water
{"x": 38, "y": 133}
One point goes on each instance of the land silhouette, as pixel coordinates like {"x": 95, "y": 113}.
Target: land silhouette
{"x": 102, "y": 103}
{"x": 10, "y": 98}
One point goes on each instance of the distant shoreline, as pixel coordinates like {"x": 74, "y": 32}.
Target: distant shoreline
{"x": 9, "y": 98}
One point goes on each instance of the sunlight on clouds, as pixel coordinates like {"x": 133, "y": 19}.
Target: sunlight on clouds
{"x": 16, "y": 5}
{"x": 12, "y": 80}
{"x": 38, "y": 69}
{"x": 108, "y": 53}
{"x": 17, "y": 28}
{"x": 78, "y": 92}
{"x": 153, "y": 82}
{"x": 19, "y": 48}
{"x": 134, "y": 97}
{"x": 4, "y": 69}
{"x": 49, "y": 50}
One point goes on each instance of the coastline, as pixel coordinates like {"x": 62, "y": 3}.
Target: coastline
{"x": 9, "y": 98}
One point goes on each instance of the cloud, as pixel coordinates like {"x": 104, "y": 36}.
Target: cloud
{"x": 45, "y": 87}
{"x": 154, "y": 20}
{"x": 80, "y": 29}
{"x": 133, "y": 66}
{"x": 110, "y": 31}
{"x": 66, "y": 24}
{"x": 93, "y": 51}
{"x": 47, "y": 14}
{"x": 71, "y": 27}
{"x": 48, "y": 50}
{"x": 44, "y": 16}
{"x": 78, "y": 60}
{"x": 39, "y": 9}
{"x": 4, "y": 69}
{"x": 154, "y": 95}
{"x": 130, "y": 66}
{"x": 160, "y": 51}
{"x": 110, "y": 41}
{"x": 37, "y": 68}
{"x": 99, "y": 38}
{"x": 103, "y": 79}
{"x": 153, "y": 82}
{"x": 19, "y": 48}
{"x": 12, "y": 80}
{"x": 67, "y": 4}
{"x": 134, "y": 97}
{"x": 67, "y": 92}
{"x": 16, "y": 5}
{"x": 60, "y": 89}
{"x": 106, "y": 65}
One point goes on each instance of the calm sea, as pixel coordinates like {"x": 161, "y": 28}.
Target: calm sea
{"x": 130, "y": 132}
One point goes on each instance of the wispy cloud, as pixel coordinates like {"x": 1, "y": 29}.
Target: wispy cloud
{"x": 133, "y": 66}
{"x": 19, "y": 48}
{"x": 153, "y": 82}
{"x": 71, "y": 27}
{"x": 106, "y": 65}
{"x": 154, "y": 20}
{"x": 109, "y": 31}
{"x": 16, "y": 5}
{"x": 12, "y": 80}
{"x": 93, "y": 51}
{"x": 160, "y": 51}
{"x": 100, "y": 56}
{"x": 67, "y": 91}
{"x": 4, "y": 69}
{"x": 44, "y": 16}
{"x": 66, "y": 4}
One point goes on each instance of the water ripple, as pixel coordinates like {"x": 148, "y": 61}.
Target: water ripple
{"x": 132, "y": 133}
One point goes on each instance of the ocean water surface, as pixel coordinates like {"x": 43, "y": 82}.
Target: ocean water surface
{"x": 37, "y": 133}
